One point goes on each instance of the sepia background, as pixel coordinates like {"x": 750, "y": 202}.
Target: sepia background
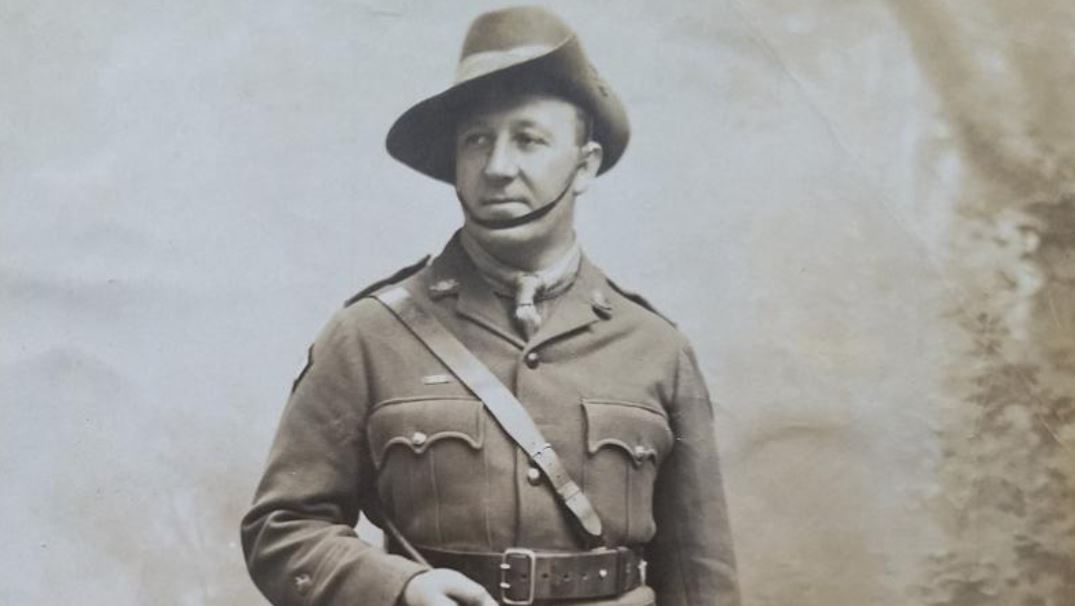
{"x": 862, "y": 213}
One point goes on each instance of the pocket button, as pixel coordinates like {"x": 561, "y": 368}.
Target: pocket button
{"x": 641, "y": 452}
{"x": 418, "y": 438}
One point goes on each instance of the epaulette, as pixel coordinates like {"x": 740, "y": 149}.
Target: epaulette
{"x": 638, "y": 299}
{"x": 399, "y": 276}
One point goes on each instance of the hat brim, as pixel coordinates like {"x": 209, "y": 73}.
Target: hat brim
{"x": 424, "y": 136}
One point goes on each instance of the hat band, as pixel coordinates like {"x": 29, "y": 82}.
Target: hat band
{"x": 486, "y": 62}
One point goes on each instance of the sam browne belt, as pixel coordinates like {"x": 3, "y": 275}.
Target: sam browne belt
{"x": 501, "y": 404}
{"x": 517, "y": 576}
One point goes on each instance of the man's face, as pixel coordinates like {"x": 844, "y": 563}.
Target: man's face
{"x": 518, "y": 154}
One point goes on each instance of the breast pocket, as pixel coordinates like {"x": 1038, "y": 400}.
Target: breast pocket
{"x": 423, "y": 449}
{"x": 625, "y": 444}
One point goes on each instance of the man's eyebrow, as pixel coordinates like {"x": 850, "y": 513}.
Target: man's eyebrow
{"x": 469, "y": 123}
{"x": 477, "y": 122}
{"x": 532, "y": 124}
{"x": 527, "y": 123}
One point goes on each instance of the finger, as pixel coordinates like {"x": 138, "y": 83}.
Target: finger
{"x": 471, "y": 596}
{"x": 467, "y": 592}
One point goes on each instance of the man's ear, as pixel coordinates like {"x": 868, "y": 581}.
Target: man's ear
{"x": 589, "y": 163}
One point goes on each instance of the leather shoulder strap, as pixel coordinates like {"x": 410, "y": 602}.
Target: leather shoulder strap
{"x": 508, "y": 411}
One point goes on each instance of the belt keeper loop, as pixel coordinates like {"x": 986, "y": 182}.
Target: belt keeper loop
{"x": 631, "y": 567}
{"x": 623, "y": 568}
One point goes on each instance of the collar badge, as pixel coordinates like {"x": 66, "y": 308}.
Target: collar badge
{"x": 444, "y": 287}
{"x": 600, "y": 304}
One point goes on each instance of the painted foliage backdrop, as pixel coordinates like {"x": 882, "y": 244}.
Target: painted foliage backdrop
{"x": 863, "y": 213}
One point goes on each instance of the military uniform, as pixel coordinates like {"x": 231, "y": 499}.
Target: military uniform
{"x": 378, "y": 424}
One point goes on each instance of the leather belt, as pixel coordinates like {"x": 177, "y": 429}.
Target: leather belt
{"x": 522, "y": 576}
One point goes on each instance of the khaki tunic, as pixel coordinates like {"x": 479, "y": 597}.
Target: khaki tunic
{"x": 377, "y": 423}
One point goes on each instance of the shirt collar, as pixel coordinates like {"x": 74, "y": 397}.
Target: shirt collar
{"x": 555, "y": 279}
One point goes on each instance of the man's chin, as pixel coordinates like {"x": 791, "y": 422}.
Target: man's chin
{"x": 520, "y": 237}
{"x": 522, "y": 232}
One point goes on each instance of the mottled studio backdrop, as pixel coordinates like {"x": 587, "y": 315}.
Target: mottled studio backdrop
{"x": 863, "y": 213}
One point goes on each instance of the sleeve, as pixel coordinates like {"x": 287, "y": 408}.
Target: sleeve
{"x": 298, "y": 537}
{"x": 691, "y": 559}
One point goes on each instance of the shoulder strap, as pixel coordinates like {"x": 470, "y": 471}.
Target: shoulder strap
{"x": 638, "y": 300}
{"x": 399, "y": 276}
{"x": 508, "y": 411}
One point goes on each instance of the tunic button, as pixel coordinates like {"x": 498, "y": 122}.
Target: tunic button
{"x": 533, "y": 475}
{"x": 641, "y": 452}
{"x": 532, "y": 359}
{"x": 418, "y": 438}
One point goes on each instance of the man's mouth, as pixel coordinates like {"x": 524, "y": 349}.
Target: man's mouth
{"x": 501, "y": 200}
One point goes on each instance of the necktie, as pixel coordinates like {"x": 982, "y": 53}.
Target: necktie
{"x": 526, "y": 313}
{"x": 525, "y": 287}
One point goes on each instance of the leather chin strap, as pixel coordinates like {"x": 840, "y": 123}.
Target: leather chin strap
{"x": 533, "y": 215}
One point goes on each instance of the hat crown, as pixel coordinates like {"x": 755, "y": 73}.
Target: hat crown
{"x": 525, "y": 26}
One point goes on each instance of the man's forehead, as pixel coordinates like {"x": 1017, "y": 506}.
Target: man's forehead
{"x": 522, "y": 108}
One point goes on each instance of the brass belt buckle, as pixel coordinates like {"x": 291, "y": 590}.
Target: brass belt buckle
{"x": 506, "y": 567}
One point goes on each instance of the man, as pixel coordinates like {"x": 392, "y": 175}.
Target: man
{"x": 618, "y": 475}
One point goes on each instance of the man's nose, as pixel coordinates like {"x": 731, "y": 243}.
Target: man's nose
{"x": 501, "y": 162}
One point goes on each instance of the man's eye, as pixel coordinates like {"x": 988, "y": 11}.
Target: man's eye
{"x": 475, "y": 139}
{"x": 529, "y": 140}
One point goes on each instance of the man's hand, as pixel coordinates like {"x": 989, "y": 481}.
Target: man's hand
{"x": 444, "y": 587}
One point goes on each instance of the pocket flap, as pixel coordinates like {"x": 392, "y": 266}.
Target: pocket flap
{"x": 641, "y": 431}
{"x": 417, "y": 423}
